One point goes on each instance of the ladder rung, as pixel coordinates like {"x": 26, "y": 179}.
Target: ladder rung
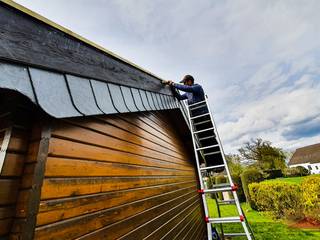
{"x": 220, "y": 189}
{"x": 204, "y": 138}
{"x": 202, "y": 115}
{"x": 201, "y": 106}
{"x": 212, "y": 167}
{"x": 226, "y": 202}
{"x": 203, "y": 148}
{"x": 221, "y": 185}
{"x": 211, "y": 153}
{"x": 225, "y": 220}
{"x": 204, "y": 130}
{"x": 196, "y": 103}
{"x": 198, "y": 123}
{"x": 234, "y": 234}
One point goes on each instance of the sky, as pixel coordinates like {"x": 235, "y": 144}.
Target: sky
{"x": 258, "y": 61}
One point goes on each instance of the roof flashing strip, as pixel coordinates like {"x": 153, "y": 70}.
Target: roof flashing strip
{"x": 128, "y": 99}
{"x": 82, "y": 95}
{"x": 144, "y": 99}
{"x": 117, "y": 98}
{"x": 16, "y": 78}
{"x": 103, "y": 98}
{"x": 63, "y": 96}
{"x": 56, "y": 103}
{"x": 137, "y": 99}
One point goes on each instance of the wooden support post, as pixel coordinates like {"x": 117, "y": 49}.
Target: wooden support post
{"x": 34, "y": 198}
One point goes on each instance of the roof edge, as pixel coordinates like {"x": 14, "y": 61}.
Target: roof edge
{"x": 41, "y": 18}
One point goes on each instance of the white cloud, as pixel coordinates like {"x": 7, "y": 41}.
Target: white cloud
{"x": 258, "y": 60}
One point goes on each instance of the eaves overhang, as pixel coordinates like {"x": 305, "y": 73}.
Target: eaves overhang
{"x": 64, "y": 95}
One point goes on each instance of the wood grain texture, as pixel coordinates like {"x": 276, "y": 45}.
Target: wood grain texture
{"x": 12, "y": 169}
{"x": 75, "y": 150}
{"x": 69, "y": 187}
{"x": 108, "y": 177}
{"x": 30, "y": 41}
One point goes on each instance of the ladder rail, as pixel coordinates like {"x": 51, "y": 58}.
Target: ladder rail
{"x": 235, "y": 196}
{"x": 205, "y": 207}
{"x": 198, "y": 149}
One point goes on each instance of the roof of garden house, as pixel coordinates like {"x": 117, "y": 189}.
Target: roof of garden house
{"x": 67, "y": 75}
{"x": 307, "y": 154}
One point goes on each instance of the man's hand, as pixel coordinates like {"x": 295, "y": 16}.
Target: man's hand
{"x": 167, "y": 82}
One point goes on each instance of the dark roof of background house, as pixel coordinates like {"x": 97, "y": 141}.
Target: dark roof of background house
{"x": 67, "y": 75}
{"x": 308, "y": 154}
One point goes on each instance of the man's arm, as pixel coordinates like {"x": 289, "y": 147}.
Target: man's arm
{"x": 186, "y": 88}
{"x": 178, "y": 95}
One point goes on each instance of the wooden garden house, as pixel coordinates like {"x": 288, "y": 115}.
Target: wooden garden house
{"x": 92, "y": 146}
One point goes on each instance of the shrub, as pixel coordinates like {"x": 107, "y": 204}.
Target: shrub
{"x": 273, "y": 173}
{"x": 311, "y": 197}
{"x": 237, "y": 180}
{"x": 247, "y": 177}
{"x": 280, "y": 198}
{"x": 296, "y": 172}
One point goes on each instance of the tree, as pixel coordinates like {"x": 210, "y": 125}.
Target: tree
{"x": 263, "y": 154}
{"x": 234, "y": 163}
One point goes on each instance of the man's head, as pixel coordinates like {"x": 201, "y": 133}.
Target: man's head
{"x": 188, "y": 80}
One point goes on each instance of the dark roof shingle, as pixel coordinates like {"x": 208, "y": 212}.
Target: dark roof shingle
{"x": 308, "y": 154}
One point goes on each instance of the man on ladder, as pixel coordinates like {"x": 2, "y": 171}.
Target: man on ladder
{"x": 193, "y": 92}
{"x": 209, "y": 157}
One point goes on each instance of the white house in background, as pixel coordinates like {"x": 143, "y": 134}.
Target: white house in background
{"x": 307, "y": 157}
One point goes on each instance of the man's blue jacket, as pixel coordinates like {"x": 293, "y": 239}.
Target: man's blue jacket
{"x": 193, "y": 93}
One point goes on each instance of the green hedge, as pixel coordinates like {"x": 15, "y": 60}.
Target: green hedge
{"x": 296, "y": 172}
{"x": 280, "y": 198}
{"x": 311, "y": 197}
{"x": 247, "y": 177}
{"x": 289, "y": 200}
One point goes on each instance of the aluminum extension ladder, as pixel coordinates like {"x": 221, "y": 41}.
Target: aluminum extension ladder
{"x": 208, "y": 148}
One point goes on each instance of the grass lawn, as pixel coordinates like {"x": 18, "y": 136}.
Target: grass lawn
{"x": 263, "y": 226}
{"x": 294, "y": 180}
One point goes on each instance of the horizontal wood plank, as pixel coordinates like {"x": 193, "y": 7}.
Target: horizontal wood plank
{"x": 135, "y": 127}
{"x": 94, "y": 138}
{"x": 54, "y": 210}
{"x": 160, "y": 221}
{"x": 7, "y": 212}
{"x": 180, "y": 226}
{"x": 69, "y": 187}
{"x": 13, "y": 165}
{"x": 60, "y": 167}
{"x": 8, "y": 191}
{"x": 186, "y": 227}
{"x": 65, "y": 148}
{"x": 80, "y": 226}
{"x": 5, "y": 225}
{"x": 102, "y": 127}
{"x": 171, "y": 223}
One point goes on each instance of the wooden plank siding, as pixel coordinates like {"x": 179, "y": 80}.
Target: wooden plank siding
{"x": 12, "y": 111}
{"x": 124, "y": 176}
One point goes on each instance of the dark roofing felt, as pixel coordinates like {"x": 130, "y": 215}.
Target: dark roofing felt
{"x": 308, "y": 154}
{"x": 64, "y": 95}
